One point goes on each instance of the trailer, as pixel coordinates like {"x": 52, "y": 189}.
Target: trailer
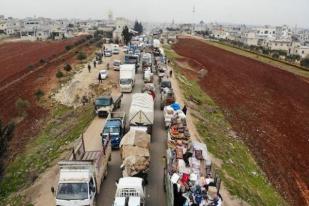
{"x": 141, "y": 114}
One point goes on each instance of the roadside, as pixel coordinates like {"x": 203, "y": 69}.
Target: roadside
{"x": 229, "y": 200}
{"x": 240, "y": 174}
{"x": 61, "y": 128}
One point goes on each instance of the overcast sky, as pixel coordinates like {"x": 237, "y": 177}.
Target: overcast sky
{"x": 273, "y": 12}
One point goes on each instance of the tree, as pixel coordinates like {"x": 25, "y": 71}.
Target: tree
{"x": 127, "y": 36}
{"x": 305, "y": 62}
{"x": 81, "y": 56}
{"x": 39, "y": 93}
{"x": 138, "y": 27}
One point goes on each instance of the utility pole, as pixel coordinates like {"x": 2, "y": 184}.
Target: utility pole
{"x": 193, "y": 12}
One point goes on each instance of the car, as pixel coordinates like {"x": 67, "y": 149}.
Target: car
{"x": 116, "y": 65}
{"x": 104, "y": 74}
{"x": 108, "y": 53}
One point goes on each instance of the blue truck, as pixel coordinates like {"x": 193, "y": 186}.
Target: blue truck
{"x": 114, "y": 128}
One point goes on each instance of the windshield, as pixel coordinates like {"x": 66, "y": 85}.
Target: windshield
{"x": 125, "y": 81}
{"x": 103, "y": 72}
{"x": 166, "y": 84}
{"x": 72, "y": 191}
{"x": 103, "y": 102}
{"x": 111, "y": 130}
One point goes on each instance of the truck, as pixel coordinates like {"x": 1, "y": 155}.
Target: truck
{"x": 130, "y": 191}
{"x": 146, "y": 60}
{"x": 135, "y": 154}
{"x": 141, "y": 114}
{"x": 114, "y": 128}
{"x": 103, "y": 105}
{"x": 81, "y": 175}
{"x": 127, "y": 77}
{"x": 132, "y": 59}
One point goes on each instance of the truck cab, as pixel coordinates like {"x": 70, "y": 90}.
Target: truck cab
{"x": 106, "y": 104}
{"x": 114, "y": 129}
{"x": 76, "y": 187}
{"x": 130, "y": 192}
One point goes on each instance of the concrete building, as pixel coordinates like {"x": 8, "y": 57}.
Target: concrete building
{"x": 249, "y": 38}
{"x": 120, "y": 23}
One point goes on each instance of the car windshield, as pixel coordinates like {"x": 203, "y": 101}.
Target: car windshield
{"x": 166, "y": 84}
{"x": 103, "y": 102}
{"x": 125, "y": 81}
{"x": 72, "y": 191}
{"x": 103, "y": 72}
{"x": 108, "y": 130}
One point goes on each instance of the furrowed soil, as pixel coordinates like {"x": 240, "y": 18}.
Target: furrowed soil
{"x": 267, "y": 107}
{"x": 17, "y": 80}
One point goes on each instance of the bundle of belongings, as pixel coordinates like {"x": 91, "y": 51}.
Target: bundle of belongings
{"x": 189, "y": 169}
{"x": 134, "y": 151}
{"x": 178, "y": 127}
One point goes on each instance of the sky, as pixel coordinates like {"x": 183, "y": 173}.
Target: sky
{"x": 252, "y": 12}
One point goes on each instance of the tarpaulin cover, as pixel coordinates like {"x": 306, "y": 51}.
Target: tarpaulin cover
{"x": 176, "y": 106}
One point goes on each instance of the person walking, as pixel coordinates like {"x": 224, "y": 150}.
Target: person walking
{"x": 171, "y": 73}
{"x": 89, "y": 67}
{"x": 184, "y": 109}
{"x": 100, "y": 78}
{"x": 94, "y": 64}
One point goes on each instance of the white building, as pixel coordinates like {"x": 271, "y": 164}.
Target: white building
{"x": 120, "y": 23}
{"x": 249, "y": 38}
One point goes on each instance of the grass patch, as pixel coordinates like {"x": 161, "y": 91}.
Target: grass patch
{"x": 239, "y": 171}
{"x": 261, "y": 58}
{"x": 63, "y": 126}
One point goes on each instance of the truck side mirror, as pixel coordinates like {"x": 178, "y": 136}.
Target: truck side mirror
{"x": 52, "y": 189}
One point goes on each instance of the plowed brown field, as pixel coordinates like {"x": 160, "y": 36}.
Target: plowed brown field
{"x": 266, "y": 106}
{"x": 14, "y": 60}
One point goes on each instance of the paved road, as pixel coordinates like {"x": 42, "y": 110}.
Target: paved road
{"x": 155, "y": 192}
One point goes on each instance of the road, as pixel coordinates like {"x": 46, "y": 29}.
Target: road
{"x": 155, "y": 192}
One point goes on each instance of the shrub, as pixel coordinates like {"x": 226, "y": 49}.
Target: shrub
{"x": 39, "y": 93}
{"x": 275, "y": 55}
{"x": 59, "y": 74}
{"x": 22, "y": 106}
{"x": 30, "y": 66}
{"x": 81, "y": 56}
{"x": 68, "y": 47}
{"x": 67, "y": 67}
{"x": 305, "y": 62}
{"x": 42, "y": 61}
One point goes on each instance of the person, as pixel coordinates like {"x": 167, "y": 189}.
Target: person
{"x": 107, "y": 66}
{"x": 89, "y": 67}
{"x": 100, "y": 78}
{"x": 94, "y": 63}
{"x": 184, "y": 109}
{"x": 171, "y": 73}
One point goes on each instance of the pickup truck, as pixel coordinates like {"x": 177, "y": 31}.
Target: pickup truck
{"x": 81, "y": 175}
{"x": 105, "y": 104}
{"x": 114, "y": 128}
{"x": 130, "y": 191}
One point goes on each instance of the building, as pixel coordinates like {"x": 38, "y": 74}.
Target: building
{"x": 120, "y": 23}
{"x": 283, "y": 45}
{"x": 249, "y": 38}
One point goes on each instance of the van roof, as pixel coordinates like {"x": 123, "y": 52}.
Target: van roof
{"x": 128, "y": 182}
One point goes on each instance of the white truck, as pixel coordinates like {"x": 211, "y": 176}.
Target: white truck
{"x": 130, "y": 192}
{"x": 127, "y": 77}
{"x": 141, "y": 114}
{"x": 81, "y": 176}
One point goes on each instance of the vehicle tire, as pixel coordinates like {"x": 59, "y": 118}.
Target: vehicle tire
{"x": 161, "y": 107}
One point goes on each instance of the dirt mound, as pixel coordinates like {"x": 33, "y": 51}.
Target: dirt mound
{"x": 268, "y": 107}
